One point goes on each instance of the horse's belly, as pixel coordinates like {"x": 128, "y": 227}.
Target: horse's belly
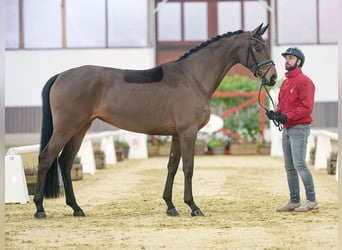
{"x": 141, "y": 123}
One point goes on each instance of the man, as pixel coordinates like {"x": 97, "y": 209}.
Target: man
{"x": 294, "y": 109}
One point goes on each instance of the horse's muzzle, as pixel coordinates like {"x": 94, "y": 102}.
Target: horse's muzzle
{"x": 270, "y": 82}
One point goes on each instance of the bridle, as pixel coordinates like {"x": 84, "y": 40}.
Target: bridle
{"x": 258, "y": 66}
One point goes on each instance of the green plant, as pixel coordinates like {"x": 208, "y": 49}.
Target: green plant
{"x": 244, "y": 122}
{"x": 218, "y": 139}
{"x": 121, "y": 143}
{"x": 199, "y": 142}
{"x": 214, "y": 143}
{"x": 77, "y": 160}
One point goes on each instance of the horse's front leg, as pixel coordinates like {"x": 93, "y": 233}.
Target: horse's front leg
{"x": 172, "y": 167}
{"x": 188, "y": 152}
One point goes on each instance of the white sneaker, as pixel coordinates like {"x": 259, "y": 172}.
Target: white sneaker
{"x": 289, "y": 207}
{"x": 308, "y": 206}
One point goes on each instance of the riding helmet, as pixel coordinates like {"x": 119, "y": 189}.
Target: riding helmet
{"x": 296, "y": 52}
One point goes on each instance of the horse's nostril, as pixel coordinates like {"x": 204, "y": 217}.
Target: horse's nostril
{"x": 273, "y": 80}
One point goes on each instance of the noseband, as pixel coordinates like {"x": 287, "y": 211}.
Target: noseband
{"x": 258, "y": 66}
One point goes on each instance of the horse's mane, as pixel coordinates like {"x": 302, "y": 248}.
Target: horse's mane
{"x": 206, "y": 43}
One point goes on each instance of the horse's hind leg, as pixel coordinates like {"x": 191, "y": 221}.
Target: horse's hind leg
{"x": 172, "y": 167}
{"x": 46, "y": 158}
{"x": 66, "y": 161}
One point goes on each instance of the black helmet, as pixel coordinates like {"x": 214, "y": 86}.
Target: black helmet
{"x": 296, "y": 52}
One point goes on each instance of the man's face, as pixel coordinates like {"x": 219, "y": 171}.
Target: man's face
{"x": 291, "y": 62}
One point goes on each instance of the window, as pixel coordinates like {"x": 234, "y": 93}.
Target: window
{"x": 42, "y": 29}
{"x": 42, "y": 24}
{"x": 195, "y": 21}
{"x": 327, "y": 18}
{"x": 85, "y": 23}
{"x": 306, "y": 21}
{"x": 294, "y": 17}
{"x": 228, "y": 16}
{"x": 127, "y": 26}
{"x": 180, "y": 21}
{"x": 12, "y": 24}
{"x": 169, "y": 22}
{"x": 255, "y": 14}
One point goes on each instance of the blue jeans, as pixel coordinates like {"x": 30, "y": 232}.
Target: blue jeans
{"x": 294, "y": 144}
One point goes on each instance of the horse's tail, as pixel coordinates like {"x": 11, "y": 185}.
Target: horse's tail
{"x": 52, "y": 187}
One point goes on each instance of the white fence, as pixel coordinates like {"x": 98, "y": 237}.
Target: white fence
{"x": 15, "y": 182}
{"x": 321, "y": 140}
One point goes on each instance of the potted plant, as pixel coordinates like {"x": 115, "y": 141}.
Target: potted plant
{"x": 31, "y": 178}
{"x": 152, "y": 146}
{"x": 77, "y": 169}
{"x": 200, "y": 147}
{"x": 123, "y": 145}
{"x": 164, "y": 145}
{"x": 264, "y": 148}
{"x": 99, "y": 156}
{"x": 218, "y": 144}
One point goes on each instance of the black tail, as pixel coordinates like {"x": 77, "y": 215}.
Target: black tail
{"x": 52, "y": 187}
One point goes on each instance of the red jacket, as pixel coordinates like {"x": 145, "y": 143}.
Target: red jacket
{"x": 296, "y": 98}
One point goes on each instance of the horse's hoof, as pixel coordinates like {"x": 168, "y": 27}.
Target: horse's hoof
{"x": 40, "y": 215}
{"x": 79, "y": 213}
{"x": 197, "y": 213}
{"x": 172, "y": 212}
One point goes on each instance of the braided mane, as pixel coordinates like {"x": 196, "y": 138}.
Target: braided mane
{"x": 206, "y": 43}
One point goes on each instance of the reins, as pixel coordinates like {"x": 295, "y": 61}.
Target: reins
{"x": 263, "y": 84}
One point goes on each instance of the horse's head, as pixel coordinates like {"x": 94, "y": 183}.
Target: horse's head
{"x": 257, "y": 58}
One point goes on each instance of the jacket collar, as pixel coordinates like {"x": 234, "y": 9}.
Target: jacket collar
{"x": 293, "y": 73}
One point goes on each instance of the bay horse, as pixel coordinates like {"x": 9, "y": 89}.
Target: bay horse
{"x": 170, "y": 99}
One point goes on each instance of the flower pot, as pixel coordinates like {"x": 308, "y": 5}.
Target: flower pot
{"x": 200, "y": 149}
{"x": 164, "y": 149}
{"x": 77, "y": 172}
{"x": 99, "y": 159}
{"x": 219, "y": 150}
{"x": 244, "y": 149}
{"x": 264, "y": 149}
{"x": 119, "y": 154}
{"x": 31, "y": 182}
{"x": 125, "y": 151}
{"x": 153, "y": 150}
{"x": 331, "y": 163}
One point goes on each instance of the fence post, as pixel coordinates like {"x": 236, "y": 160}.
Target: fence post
{"x": 86, "y": 154}
{"x": 15, "y": 182}
{"x": 107, "y": 146}
{"x": 323, "y": 150}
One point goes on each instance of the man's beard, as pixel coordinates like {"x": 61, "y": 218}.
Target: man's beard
{"x": 289, "y": 68}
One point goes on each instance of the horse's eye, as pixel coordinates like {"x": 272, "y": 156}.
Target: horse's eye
{"x": 258, "y": 47}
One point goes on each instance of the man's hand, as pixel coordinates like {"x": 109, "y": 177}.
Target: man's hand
{"x": 270, "y": 114}
{"x": 281, "y": 118}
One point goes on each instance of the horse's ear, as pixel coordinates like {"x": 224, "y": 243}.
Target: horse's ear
{"x": 260, "y": 30}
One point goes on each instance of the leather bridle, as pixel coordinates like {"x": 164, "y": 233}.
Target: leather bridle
{"x": 257, "y": 65}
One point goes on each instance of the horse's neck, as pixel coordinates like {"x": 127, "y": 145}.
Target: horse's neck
{"x": 209, "y": 65}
